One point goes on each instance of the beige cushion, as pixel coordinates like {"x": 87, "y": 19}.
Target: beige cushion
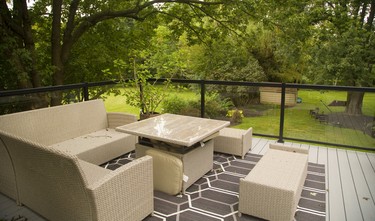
{"x": 168, "y": 172}
{"x": 97, "y": 147}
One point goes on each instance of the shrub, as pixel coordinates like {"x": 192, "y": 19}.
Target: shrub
{"x": 174, "y": 105}
{"x": 215, "y": 106}
{"x": 235, "y": 116}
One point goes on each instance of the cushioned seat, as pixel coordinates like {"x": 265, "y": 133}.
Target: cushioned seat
{"x": 168, "y": 171}
{"x": 93, "y": 147}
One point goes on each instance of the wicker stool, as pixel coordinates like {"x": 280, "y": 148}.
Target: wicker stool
{"x": 234, "y": 141}
{"x": 273, "y": 187}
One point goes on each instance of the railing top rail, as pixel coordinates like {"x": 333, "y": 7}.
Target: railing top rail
{"x": 7, "y": 93}
{"x": 272, "y": 84}
{"x": 207, "y": 82}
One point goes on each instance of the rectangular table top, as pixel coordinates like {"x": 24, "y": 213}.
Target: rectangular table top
{"x": 175, "y": 129}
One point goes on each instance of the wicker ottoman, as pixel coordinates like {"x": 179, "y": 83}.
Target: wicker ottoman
{"x": 273, "y": 187}
{"x": 234, "y": 141}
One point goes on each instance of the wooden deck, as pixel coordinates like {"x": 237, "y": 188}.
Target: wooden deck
{"x": 350, "y": 183}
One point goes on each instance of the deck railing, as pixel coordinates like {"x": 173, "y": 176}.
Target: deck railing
{"x": 282, "y": 111}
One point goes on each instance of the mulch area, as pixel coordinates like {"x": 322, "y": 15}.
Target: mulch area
{"x": 360, "y": 122}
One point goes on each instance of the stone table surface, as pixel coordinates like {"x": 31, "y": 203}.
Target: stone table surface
{"x": 175, "y": 129}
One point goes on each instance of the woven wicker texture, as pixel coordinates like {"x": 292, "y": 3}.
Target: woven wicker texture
{"x": 59, "y": 186}
{"x": 119, "y": 119}
{"x": 60, "y": 123}
{"x": 234, "y": 141}
{"x": 126, "y": 193}
{"x": 49, "y": 182}
{"x": 7, "y": 176}
{"x": 82, "y": 128}
{"x": 273, "y": 188}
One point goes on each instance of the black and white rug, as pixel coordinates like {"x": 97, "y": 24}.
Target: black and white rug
{"x": 215, "y": 196}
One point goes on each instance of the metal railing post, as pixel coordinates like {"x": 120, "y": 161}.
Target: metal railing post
{"x": 86, "y": 91}
{"x": 282, "y": 114}
{"x": 203, "y": 102}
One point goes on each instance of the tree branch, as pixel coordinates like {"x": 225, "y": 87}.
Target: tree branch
{"x": 67, "y": 39}
{"x": 130, "y": 13}
{"x": 187, "y": 25}
{"x": 217, "y": 20}
{"x": 370, "y": 19}
{"x": 7, "y": 17}
{"x": 133, "y": 13}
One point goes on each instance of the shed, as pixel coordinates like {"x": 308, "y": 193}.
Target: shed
{"x": 272, "y": 95}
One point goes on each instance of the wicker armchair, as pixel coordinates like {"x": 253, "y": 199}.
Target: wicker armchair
{"x": 234, "y": 141}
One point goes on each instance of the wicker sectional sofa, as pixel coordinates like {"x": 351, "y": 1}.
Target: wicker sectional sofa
{"x": 49, "y": 162}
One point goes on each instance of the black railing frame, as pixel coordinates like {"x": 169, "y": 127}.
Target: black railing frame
{"x": 85, "y": 90}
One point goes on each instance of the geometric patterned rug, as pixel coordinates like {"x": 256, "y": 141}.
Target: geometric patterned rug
{"x": 215, "y": 195}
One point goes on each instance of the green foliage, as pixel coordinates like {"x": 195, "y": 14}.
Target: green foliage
{"x": 341, "y": 48}
{"x": 289, "y": 41}
{"x": 235, "y": 116}
{"x": 175, "y": 105}
{"x": 215, "y": 106}
{"x": 141, "y": 93}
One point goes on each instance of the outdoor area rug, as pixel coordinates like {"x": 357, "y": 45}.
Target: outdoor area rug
{"x": 215, "y": 196}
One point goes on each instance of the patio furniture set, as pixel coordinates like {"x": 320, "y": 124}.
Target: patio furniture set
{"x": 49, "y": 162}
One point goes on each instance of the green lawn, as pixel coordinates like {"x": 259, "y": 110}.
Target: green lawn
{"x": 298, "y": 122}
{"x": 118, "y": 103}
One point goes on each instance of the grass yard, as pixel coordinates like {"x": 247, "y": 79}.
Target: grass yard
{"x": 118, "y": 103}
{"x": 298, "y": 122}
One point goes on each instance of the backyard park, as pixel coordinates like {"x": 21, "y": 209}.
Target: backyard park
{"x": 337, "y": 127}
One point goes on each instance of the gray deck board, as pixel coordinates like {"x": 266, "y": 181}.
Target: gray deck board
{"x": 313, "y": 154}
{"x": 371, "y": 157}
{"x": 352, "y": 207}
{"x": 323, "y": 159}
{"x": 368, "y": 171}
{"x": 362, "y": 188}
{"x": 336, "y": 206}
{"x": 350, "y": 183}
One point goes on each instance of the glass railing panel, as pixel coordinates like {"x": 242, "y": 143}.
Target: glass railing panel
{"x": 115, "y": 99}
{"x": 174, "y": 98}
{"x": 31, "y": 101}
{"x": 321, "y": 115}
{"x": 244, "y": 107}
{"x": 183, "y": 99}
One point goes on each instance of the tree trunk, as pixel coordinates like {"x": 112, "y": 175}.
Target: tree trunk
{"x": 354, "y": 103}
{"x": 56, "y": 51}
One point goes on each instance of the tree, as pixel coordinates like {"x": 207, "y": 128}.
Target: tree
{"x": 69, "y": 22}
{"x": 342, "y": 48}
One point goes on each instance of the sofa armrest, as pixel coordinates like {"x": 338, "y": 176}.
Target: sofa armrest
{"x": 125, "y": 193}
{"x": 118, "y": 119}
